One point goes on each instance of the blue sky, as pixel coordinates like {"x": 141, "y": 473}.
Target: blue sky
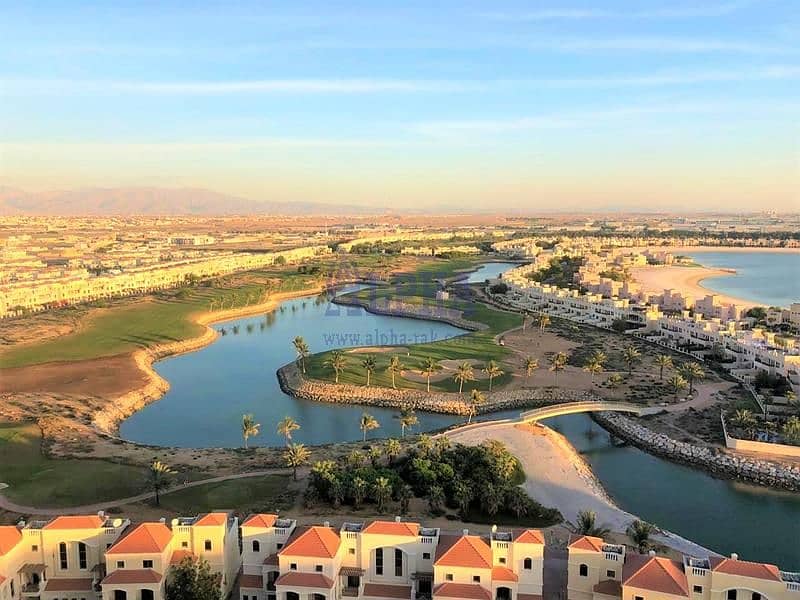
{"x": 452, "y": 104}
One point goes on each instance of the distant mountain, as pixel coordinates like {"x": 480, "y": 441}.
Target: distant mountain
{"x": 153, "y": 201}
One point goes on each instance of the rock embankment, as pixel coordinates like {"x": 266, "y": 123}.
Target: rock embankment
{"x": 431, "y": 311}
{"x": 294, "y": 383}
{"x": 714, "y": 460}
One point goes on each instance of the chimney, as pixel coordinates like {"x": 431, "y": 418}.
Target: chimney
{"x": 326, "y": 524}
{"x": 163, "y": 520}
{"x": 651, "y": 553}
{"x": 101, "y": 514}
{"x": 465, "y": 531}
{"x": 494, "y": 528}
{"x": 734, "y": 556}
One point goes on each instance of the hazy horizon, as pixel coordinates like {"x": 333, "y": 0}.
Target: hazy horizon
{"x": 517, "y": 106}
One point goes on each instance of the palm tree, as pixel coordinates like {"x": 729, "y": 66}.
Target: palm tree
{"x": 614, "y": 381}
{"x": 544, "y": 321}
{"x": 599, "y": 357}
{"x": 463, "y": 373}
{"x": 593, "y": 367}
{"x": 369, "y": 366}
{"x": 295, "y": 456}
{"x": 744, "y": 418}
{"x": 158, "y": 474}
{"x": 407, "y": 419}
{"x": 301, "y": 348}
{"x": 359, "y": 491}
{"x": 640, "y": 532}
{"x": 406, "y": 493}
{"x": 692, "y": 371}
{"x": 531, "y": 364}
{"x": 286, "y": 427}
{"x": 429, "y": 367}
{"x": 424, "y": 444}
{"x": 663, "y": 361}
{"x": 677, "y": 383}
{"x": 557, "y": 363}
{"x": 791, "y": 430}
{"x": 631, "y": 356}
{"x": 436, "y": 499}
{"x": 381, "y": 491}
{"x": 395, "y": 368}
{"x": 367, "y": 423}
{"x": 374, "y": 455}
{"x": 462, "y": 494}
{"x": 392, "y": 450}
{"x": 493, "y": 370}
{"x": 586, "y": 524}
{"x": 336, "y": 362}
{"x": 249, "y": 428}
{"x": 355, "y": 460}
{"x": 517, "y": 501}
{"x": 475, "y": 399}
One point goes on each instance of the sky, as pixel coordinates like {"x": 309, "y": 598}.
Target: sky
{"x": 452, "y": 105}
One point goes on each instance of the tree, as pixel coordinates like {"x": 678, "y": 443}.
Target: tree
{"x": 249, "y": 428}
{"x": 586, "y": 524}
{"x": 392, "y": 450}
{"x": 407, "y": 419}
{"x": 395, "y": 368}
{"x": 631, "y": 356}
{"x": 557, "y": 363}
{"x": 593, "y": 367}
{"x": 517, "y": 501}
{"x": 286, "y": 427}
{"x": 429, "y": 366}
{"x": 301, "y": 348}
{"x": 424, "y": 444}
{"x": 791, "y": 430}
{"x": 544, "y": 321}
{"x": 663, "y": 361}
{"x": 368, "y": 422}
{"x": 491, "y": 499}
{"x": 639, "y": 532}
{"x": 475, "y": 399}
{"x": 677, "y": 383}
{"x": 464, "y": 373}
{"x": 374, "y": 455}
{"x": 744, "y": 418}
{"x": 369, "y": 366}
{"x": 492, "y": 369}
{"x": 358, "y": 489}
{"x": 599, "y": 357}
{"x": 531, "y": 364}
{"x": 381, "y": 492}
{"x": 436, "y": 499}
{"x": 691, "y": 372}
{"x": 193, "y": 579}
{"x": 462, "y": 495}
{"x": 406, "y": 493}
{"x": 614, "y": 381}
{"x": 355, "y": 459}
{"x": 296, "y": 456}
{"x": 158, "y": 474}
{"x": 337, "y": 362}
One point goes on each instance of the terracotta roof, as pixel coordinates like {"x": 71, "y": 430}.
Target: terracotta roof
{"x": 260, "y": 520}
{"x": 2, "y": 579}
{"x": 655, "y": 573}
{"x": 609, "y": 587}
{"x": 503, "y": 574}
{"x": 179, "y": 555}
{"x": 272, "y": 559}
{"x": 529, "y": 536}
{"x": 76, "y": 522}
{"x": 320, "y": 542}
{"x": 143, "y": 539}
{"x": 251, "y": 581}
{"x": 65, "y": 584}
{"x": 744, "y": 568}
{"x": 381, "y": 590}
{"x": 392, "y": 528}
{"x": 464, "y": 551}
{"x": 10, "y": 536}
{"x": 462, "y": 591}
{"x": 214, "y": 519}
{"x": 308, "y": 580}
{"x": 123, "y": 576}
{"x": 586, "y": 542}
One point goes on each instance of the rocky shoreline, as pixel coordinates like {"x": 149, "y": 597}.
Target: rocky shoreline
{"x": 425, "y": 312}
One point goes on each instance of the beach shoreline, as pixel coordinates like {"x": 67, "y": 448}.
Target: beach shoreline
{"x": 686, "y": 280}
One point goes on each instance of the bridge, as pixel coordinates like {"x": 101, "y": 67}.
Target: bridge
{"x": 571, "y": 408}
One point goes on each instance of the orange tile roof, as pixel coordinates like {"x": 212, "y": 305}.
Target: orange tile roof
{"x": 123, "y": 576}
{"x": 392, "y": 528}
{"x": 260, "y": 520}
{"x": 609, "y": 587}
{"x": 503, "y": 574}
{"x": 308, "y": 580}
{"x": 66, "y": 584}
{"x": 251, "y": 581}
{"x": 586, "y": 542}
{"x": 465, "y": 551}
{"x": 143, "y": 539}
{"x": 316, "y": 541}
{"x": 76, "y": 522}
{"x": 530, "y": 536}
{"x": 745, "y": 568}
{"x": 10, "y": 536}
{"x": 179, "y": 555}
{"x": 388, "y": 592}
{"x": 655, "y": 573}
{"x": 462, "y": 591}
{"x": 2, "y": 579}
{"x": 214, "y": 519}
{"x": 272, "y": 559}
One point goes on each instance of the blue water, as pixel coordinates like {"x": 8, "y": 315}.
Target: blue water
{"x": 769, "y": 278}
{"x": 488, "y": 271}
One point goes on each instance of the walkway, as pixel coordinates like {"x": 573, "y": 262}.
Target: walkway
{"x": 571, "y": 408}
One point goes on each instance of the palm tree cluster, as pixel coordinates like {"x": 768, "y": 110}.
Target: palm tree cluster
{"x": 595, "y": 363}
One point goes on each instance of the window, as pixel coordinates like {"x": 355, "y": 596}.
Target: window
{"x": 502, "y": 560}
{"x": 379, "y": 561}
{"x": 256, "y": 546}
{"x": 82, "y": 555}
{"x": 731, "y": 594}
{"x": 426, "y": 556}
{"x": 611, "y": 574}
{"x": 34, "y": 548}
{"x": 120, "y": 564}
{"x": 638, "y": 598}
{"x": 208, "y": 545}
{"x": 147, "y": 595}
{"x": 527, "y": 564}
{"x": 476, "y": 578}
{"x": 244, "y": 596}
{"x": 318, "y": 568}
{"x": 449, "y": 577}
{"x": 351, "y": 550}
{"x": 398, "y": 562}
{"x": 147, "y": 564}
{"x": 280, "y": 546}
{"x": 293, "y": 566}
{"x": 756, "y": 596}
{"x": 583, "y": 571}
{"x": 697, "y": 589}
{"x": 62, "y": 556}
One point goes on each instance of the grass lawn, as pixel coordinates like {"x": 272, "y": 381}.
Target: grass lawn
{"x": 253, "y": 494}
{"x": 36, "y": 480}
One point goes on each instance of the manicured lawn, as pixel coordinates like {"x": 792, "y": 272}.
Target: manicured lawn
{"x": 253, "y": 494}
{"x": 36, "y": 480}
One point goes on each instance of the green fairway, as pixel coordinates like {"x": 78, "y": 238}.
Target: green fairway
{"x": 253, "y": 494}
{"x": 36, "y": 480}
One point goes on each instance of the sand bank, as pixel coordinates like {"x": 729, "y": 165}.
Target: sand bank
{"x": 686, "y": 280}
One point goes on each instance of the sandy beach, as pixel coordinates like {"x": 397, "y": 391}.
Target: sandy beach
{"x": 686, "y": 280}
